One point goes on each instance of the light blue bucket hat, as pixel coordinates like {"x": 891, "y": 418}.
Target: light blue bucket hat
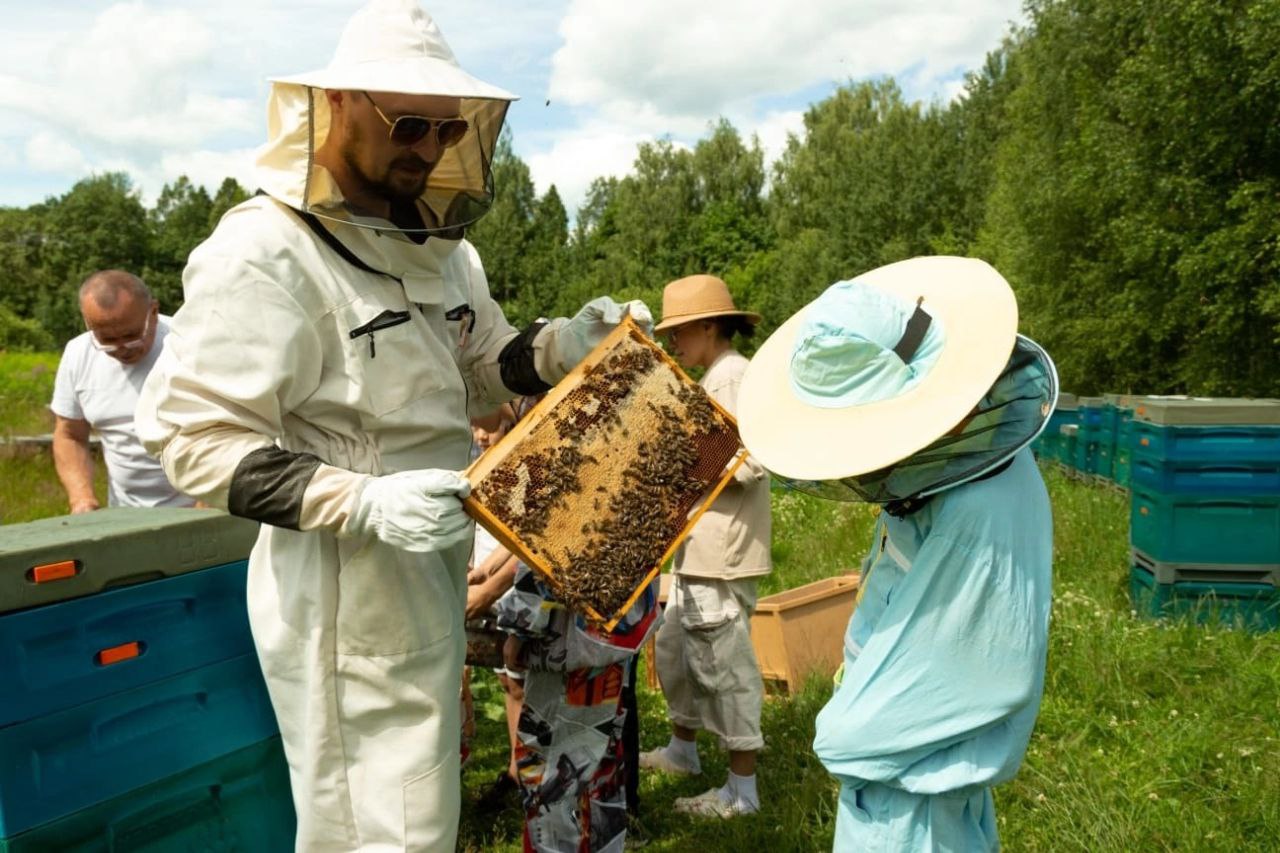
{"x": 885, "y": 365}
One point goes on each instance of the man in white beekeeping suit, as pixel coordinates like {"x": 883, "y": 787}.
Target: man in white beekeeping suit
{"x": 337, "y": 334}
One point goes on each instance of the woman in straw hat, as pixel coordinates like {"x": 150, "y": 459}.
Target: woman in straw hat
{"x": 703, "y": 650}
{"x": 910, "y": 387}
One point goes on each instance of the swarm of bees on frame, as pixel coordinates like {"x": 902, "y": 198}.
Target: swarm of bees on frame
{"x": 656, "y": 467}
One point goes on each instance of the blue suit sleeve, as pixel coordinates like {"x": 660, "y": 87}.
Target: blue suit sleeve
{"x": 954, "y": 658}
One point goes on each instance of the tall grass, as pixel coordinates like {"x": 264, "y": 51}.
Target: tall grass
{"x": 29, "y": 487}
{"x": 26, "y": 386}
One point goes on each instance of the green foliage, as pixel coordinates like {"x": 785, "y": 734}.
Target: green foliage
{"x": 178, "y": 223}
{"x": 18, "y": 334}
{"x": 1135, "y": 193}
{"x": 48, "y": 249}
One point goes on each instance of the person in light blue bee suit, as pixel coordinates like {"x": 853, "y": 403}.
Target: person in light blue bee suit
{"x": 909, "y": 387}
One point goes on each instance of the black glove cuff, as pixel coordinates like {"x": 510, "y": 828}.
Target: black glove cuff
{"x": 268, "y": 485}
{"x": 516, "y": 363}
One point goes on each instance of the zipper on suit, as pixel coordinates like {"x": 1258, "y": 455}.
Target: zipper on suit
{"x": 385, "y": 320}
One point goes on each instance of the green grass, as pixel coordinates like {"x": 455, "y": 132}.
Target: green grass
{"x": 26, "y": 386}
{"x": 29, "y": 487}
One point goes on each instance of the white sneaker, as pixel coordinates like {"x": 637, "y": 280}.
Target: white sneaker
{"x": 660, "y": 759}
{"x": 709, "y": 804}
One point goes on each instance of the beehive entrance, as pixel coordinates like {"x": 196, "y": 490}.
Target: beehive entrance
{"x": 595, "y": 487}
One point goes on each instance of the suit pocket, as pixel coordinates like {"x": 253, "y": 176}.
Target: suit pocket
{"x": 392, "y": 602}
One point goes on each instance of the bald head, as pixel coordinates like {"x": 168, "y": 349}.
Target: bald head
{"x": 107, "y": 287}
{"x": 120, "y": 313}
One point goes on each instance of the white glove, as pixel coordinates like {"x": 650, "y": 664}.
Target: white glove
{"x": 595, "y": 321}
{"x": 413, "y": 510}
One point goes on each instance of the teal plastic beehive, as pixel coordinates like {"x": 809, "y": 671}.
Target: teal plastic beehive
{"x": 1165, "y": 573}
{"x": 1255, "y": 607}
{"x": 1070, "y": 435}
{"x": 1208, "y": 411}
{"x": 76, "y": 651}
{"x": 240, "y": 801}
{"x": 56, "y": 559}
{"x": 1178, "y": 528}
{"x": 58, "y": 764}
{"x": 1049, "y": 444}
{"x": 1121, "y": 470}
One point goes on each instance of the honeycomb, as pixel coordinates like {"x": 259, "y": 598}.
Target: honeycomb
{"x": 596, "y": 487}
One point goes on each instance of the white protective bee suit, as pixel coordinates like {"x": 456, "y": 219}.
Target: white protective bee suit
{"x": 303, "y": 367}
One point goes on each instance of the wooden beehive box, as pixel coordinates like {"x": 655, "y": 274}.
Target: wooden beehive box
{"x": 597, "y": 486}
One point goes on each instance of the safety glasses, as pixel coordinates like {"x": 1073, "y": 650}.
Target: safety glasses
{"x": 123, "y": 346}
{"x": 408, "y": 131}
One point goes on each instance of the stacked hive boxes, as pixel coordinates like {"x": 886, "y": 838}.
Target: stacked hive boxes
{"x": 133, "y": 714}
{"x": 1117, "y": 430}
{"x": 1051, "y": 443}
{"x": 1088, "y": 436}
{"x": 1205, "y": 511}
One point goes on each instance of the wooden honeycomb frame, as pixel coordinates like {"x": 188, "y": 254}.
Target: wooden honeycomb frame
{"x": 604, "y": 447}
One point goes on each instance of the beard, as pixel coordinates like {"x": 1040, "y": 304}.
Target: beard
{"x": 401, "y": 180}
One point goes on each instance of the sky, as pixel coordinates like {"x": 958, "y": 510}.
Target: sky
{"x": 162, "y": 89}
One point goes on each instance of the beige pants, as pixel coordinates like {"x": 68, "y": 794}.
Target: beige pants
{"x": 706, "y": 662}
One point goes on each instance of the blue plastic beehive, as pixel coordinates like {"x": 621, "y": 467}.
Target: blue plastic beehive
{"x": 1209, "y": 444}
{"x": 240, "y": 801}
{"x": 1255, "y": 607}
{"x": 76, "y": 651}
{"x": 1205, "y": 478}
{"x": 58, "y": 764}
{"x": 1070, "y": 435}
{"x": 1198, "y": 528}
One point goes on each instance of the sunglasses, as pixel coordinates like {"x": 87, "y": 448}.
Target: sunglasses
{"x": 124, "y": 346}
{"x": 408, "y": 131}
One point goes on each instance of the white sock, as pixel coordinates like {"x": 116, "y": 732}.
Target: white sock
{"x": 741, "y": 790}
{"x": 684, "y": 752}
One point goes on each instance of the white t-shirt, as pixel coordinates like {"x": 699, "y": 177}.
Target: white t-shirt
{"x": 92, "y": 386}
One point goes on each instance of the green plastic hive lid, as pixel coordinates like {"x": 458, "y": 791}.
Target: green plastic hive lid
{"x": 55, "y": 559}
{"x": 1208, "y": 411}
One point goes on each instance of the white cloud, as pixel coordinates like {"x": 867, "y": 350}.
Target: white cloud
{"x": 48, "y": 152}
{"x": 670, "y": 61}
{"x": 579, "y": 156}
{"x": 774, "y": 129}
{"x": 648, "y": 69}
{"x": 209, "y": 168}
{"x": 122, "y": 91}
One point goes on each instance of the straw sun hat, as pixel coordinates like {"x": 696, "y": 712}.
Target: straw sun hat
{"x": 698, "y": 297}
{"x": 877, "y": 368}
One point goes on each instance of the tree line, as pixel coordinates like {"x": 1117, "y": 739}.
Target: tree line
{"x": 1117, "y": 160}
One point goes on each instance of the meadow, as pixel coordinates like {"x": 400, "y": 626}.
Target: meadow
{"x": 1151, "y": 736}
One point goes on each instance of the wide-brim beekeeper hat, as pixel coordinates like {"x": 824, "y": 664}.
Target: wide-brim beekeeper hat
{"x": 899, "y": 383}
{"x": 698, "y": 297}
{"x": 387, "y": 46}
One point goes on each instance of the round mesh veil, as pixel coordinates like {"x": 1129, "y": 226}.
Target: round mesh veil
{"x": 1008, "y": 418}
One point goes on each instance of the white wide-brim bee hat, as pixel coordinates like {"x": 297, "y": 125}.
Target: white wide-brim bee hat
{"x": 387, "y": 46}
{"x": 899, "y": 383}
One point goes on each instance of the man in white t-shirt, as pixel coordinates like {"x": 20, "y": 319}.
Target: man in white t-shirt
{"x": 97, "y": 388}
